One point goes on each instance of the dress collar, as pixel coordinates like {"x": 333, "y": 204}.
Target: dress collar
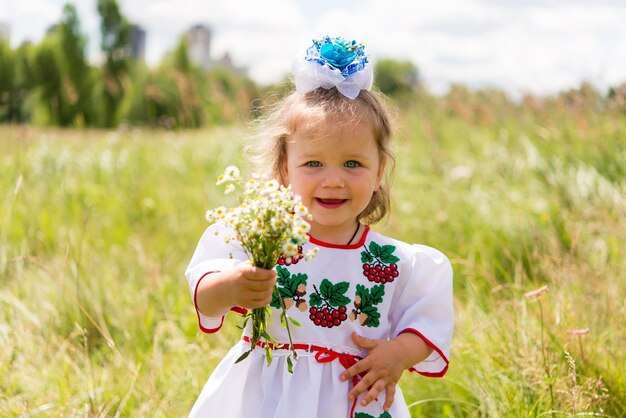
{"x": 358, "y": 244}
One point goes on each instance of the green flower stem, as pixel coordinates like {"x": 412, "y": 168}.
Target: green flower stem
{"x": 267, "y": 260}
{"x": 286, "y": 321}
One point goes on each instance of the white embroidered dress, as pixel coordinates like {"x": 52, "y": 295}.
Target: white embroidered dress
{"x": 378, "y": 287}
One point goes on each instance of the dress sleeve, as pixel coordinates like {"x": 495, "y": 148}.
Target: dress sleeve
{"x": 423, "y": 306}
{"x": 212, "y": 255}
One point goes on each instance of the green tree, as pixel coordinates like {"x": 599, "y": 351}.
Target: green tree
{"x": 25, "y": 82}
{"x": 55, "y": 78}
{"x": 7, "y": 82}
{"x": 46, "y": 100}
{"x": 170, "y": 96}
{"x": 115, "y": 36}
{"x": 180, "y": 57}
{"x": 396, "y": 79}
{"x": 62, "y": 87}
{"x": 76, "y": 73}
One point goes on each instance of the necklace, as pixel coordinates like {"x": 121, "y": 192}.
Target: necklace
{"x": 358, "y": 225}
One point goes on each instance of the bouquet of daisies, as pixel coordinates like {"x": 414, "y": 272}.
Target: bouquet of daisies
{"x": 270, "y": 223}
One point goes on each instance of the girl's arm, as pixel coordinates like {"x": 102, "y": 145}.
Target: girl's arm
{"x": 244, "y": 285}
{"x": 383, "y": 366}
{"x": 422, "y": 320}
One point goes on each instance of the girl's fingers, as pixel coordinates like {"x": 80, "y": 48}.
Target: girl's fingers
{"x": 253, "y": 273}
{"x": 364, "y": 384}
{"x": 373, "y": 393}
{"x": 254, "y": 286}
{"x": 354, "y": 370}
{"x": 257, "y": 303}
{"x": 265, "y": 279}
{"x": 261, "y": 281}
{"x": 390, "y": 392}
{"x": 363, "y": 342}
{"x": 259, "y": 295}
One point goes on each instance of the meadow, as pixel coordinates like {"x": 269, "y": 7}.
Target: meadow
{"x": 97, "y": 228}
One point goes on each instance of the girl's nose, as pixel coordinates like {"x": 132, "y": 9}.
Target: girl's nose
{"x": 333, "y": 178}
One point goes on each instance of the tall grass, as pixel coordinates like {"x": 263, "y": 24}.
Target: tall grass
{"x": 97, "y": 227}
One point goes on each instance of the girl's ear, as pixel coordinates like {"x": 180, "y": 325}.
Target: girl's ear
{"x": 381, "y": 171}
{"x": 284, "y": 173}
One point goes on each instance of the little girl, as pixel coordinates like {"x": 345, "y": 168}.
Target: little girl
{"x": 369, "y": 306}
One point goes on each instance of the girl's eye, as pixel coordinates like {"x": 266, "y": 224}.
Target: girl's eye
{"x": 313, "y": 164}
{"x": 352, "y": 164}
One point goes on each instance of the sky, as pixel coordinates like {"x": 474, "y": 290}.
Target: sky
{"x": 520, "y": 46}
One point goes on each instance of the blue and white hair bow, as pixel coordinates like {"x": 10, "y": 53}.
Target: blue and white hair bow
{"x": 333, "y": 62}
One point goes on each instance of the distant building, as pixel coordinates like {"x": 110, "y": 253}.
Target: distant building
{"x": 137, "y": 42}
{"x": 199, "y": 43}
{"x": 199, "y": 47}
{"x": 5, "y": 32}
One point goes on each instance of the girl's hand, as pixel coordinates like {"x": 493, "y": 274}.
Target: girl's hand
{"x": 249, "y": 286}
{"x": 383, "y": 366}
{"x": 244, "y": 285}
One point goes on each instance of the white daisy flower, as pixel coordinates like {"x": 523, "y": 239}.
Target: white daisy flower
{"x": 229, "y": 189}
{"x": 231, "y": 173}
{"x": 270, "y": 221}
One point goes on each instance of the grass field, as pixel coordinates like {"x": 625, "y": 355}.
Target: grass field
{"x": 97, "y": 227}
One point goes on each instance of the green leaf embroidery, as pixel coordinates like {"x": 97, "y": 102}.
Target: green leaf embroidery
{"x": 377, "y": 293}
{"x": 282, "y": 275}
{"x": 296, "y": 280}
{"x": 339, "y": 300}
{"x": 315, "y": 300}
{"x": 363, "y": 293}
{"x": 370, "y": 311}
{"x": 275, "y": 303}
{"x": 375, "y": 249}
{"x": 382, "y": 254}
{"x": 369, "y": 298}
{"x": 333, "y": 294}
{"x": 365, "y": 415}
{"x": 342, "y": 287}
{"x": 386, "y": 250}
{"x": 366, "y": 257}
{"x": 372, "y": 296}
{"x": 373, "y": 320}
{"x": 326, "y": 288}
{"x": 287, "y": 285}
{"x": 386, "y": 254}
{"x": 285, "y": 293}
{"x": 389, "y": 259}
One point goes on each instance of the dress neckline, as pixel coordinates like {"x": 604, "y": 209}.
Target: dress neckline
{"x": 358, "y": 244}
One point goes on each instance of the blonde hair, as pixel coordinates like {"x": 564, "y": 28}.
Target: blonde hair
{"x": 269, "y": 149}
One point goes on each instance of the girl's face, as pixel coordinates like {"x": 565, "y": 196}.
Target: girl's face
{"x": 335, "y": 168}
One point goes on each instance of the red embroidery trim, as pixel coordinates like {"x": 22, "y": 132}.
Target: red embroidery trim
{"x": 195, "y": 304}
{"x": 237, "y": 309}
{"x": 359, "y": 244}
{"x": 322, "y": 355}
{"x": 434, "y": 347}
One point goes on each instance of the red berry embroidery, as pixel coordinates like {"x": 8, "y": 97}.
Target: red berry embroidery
{"x": 287, "y": 261}
{"x": 328, "y": 304}
{"x": 379, "y": 263}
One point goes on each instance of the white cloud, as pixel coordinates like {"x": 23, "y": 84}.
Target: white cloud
{"x": 519, "y": 45}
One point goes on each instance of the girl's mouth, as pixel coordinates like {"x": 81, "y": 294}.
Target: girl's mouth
{"x": 330, "y": 203}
